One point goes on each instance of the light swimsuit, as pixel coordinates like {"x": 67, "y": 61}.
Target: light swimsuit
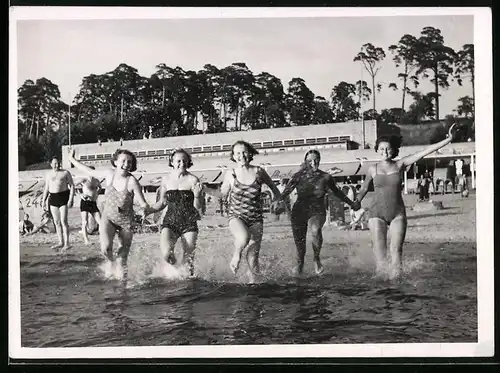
{"x": 118, "y": 206}
{"x": 388, "y": 202}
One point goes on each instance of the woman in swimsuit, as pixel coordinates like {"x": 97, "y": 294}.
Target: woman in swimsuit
{"x": 180, "y": 191}
{"x": 311, "y": 185}
{"x": 117, "y": 215}
{"x": 243, "y": 186}
{"x": 388, "y": 210}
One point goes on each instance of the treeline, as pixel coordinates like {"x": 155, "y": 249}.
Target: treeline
{"x": 122, "y": 104}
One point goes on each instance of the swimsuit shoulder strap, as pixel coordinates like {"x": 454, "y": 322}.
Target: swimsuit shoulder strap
{"x": 126, "y": 182}
{"x": 112, "y": 180}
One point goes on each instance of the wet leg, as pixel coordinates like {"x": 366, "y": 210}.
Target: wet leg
{"x": 397, "y": 232}
{"x": 241, "y": 236}
{"x": 253, "y": 250}
{"x": 316, "y": 223}
{"x": 378, "y": 232}
{"x": 188, "y": 240}
{"x": 299, "y": 230}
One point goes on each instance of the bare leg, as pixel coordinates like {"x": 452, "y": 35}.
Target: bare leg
{"x": 56, "y": 216}
{"x": 85, "y": 217}
{"x": 397, "y": 231}
{"x": 122, "y": 255}
{"x": 167, "y": 245}
{"x": 241, "y": 236}
{"x": 97, "y": 217}
{"x": 378, "y": 231}
{"x": 188, "y": 240}
{"x": 253, "y": 250}
{"x": 317, "y": 222}
{"x": 106, "y": 234}
{"x": 65, "y": 226}
{"x": 299, "y": 230}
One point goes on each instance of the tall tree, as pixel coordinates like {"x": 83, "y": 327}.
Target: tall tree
{"x": 464, "y": 68}
{"x": 466, "y": 107}
{"x": 344, "y": 106}
{"x": 363, "y": 92}
{"x": 40, "y": 105}
{"x": 241, "y": 79}
{"x": 404, "y": 55}
{"x": 322, "y": 111}
{"x": 370, "y": 56}
{"x": 421, "y": 108}
{"x": 434, "y": 56}
{"x": 300, "y": 102}
{"x": 266, "y": 108}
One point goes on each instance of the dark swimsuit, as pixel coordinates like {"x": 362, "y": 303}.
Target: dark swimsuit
{"x": 87, "y": 205}
{"x": 388, "y": 202}
{"x": 307, "y": 207}
{"x": 59, "y": 199}
{"x": 181, "y": 216}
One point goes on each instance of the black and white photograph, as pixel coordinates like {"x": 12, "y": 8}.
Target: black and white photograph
{"x": 258, "y": 182}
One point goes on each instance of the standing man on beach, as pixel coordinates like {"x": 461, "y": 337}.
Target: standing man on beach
{"x": 88, "y": 203}
{"x": 58, "y": 196}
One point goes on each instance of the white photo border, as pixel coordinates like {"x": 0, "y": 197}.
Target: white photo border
{"x": 484, "y": 196}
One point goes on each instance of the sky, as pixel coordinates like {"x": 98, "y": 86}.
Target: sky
{"x": 319, "y": 50}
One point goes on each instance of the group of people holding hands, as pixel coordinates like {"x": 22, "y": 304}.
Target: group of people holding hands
{"x": 181, "y": 191}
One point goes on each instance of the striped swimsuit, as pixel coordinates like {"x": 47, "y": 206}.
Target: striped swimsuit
{"x": 118, "y": 207}
{"x": 245, "y": 201}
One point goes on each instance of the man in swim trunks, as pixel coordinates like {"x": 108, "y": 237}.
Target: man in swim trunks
{"x": 58, "y": 196}
{"x": 88, "y": 203}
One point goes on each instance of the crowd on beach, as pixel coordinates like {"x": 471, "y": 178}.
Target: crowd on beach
{"x": 181, "y": 194}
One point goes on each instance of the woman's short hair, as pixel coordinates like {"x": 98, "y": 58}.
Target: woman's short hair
{"x": 180, "y": 150}
{"x": 250, "y": 149}
{"x": 126, "y": 152}
{"x": 393, "y": 140}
